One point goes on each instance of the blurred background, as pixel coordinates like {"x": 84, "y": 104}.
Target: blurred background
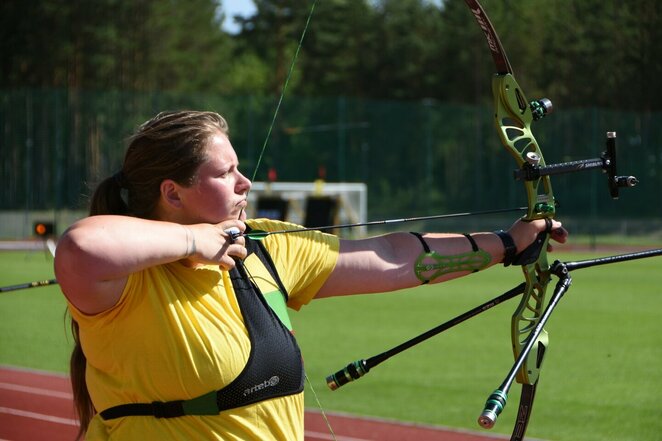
{"x": 392, "y": 94}
{"x": 389, "y": 114}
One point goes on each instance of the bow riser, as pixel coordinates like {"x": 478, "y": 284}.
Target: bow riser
{"x": 513, "y": 118}
{"x": 526, "y": 317}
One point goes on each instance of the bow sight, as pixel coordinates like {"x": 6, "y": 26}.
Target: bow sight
{"x": 531, "y": 171}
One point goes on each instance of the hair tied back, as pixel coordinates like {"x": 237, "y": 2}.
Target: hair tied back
{"x": 120, "y": 179}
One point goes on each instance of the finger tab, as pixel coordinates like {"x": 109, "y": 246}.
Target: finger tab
{"x": 233, "y": 232}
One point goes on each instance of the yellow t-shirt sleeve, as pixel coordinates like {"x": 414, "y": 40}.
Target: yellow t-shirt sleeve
{"x": 304, "y": 260}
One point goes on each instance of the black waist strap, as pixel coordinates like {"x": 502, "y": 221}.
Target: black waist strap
{"x": 159, "y": 409}
{"x": 204, "y": 405}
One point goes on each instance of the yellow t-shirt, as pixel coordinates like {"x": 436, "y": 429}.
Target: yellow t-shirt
{"x": 178, "y": 333}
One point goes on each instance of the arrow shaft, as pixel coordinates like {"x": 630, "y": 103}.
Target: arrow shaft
{"x": 263, "y": 234}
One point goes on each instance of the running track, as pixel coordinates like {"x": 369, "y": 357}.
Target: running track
{"x": 36, "y": 406}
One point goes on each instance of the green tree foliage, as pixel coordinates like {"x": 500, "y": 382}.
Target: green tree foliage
{"x": 111, "y": 44}
{"x": 603, "y": 53}
{"x": 394, "y": 93}
{"x": 579, "y": 52}
{"x": 186, "y": 49}
{"x": 272, "y": 35}
{"x": 340, "y": 50}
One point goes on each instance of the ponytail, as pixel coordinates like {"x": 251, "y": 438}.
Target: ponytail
{"x": 82, "y": 401}
{"x": 107, "y": 198}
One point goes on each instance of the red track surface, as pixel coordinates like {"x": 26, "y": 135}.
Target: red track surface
{"x": 35, "y": 406}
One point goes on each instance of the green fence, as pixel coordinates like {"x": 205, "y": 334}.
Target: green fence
{"x": 417, "y": 158}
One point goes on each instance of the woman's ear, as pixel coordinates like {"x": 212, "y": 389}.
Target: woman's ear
{"x": 170, "y": 193}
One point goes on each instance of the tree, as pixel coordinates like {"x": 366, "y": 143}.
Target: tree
{"x": 106, "y": 44}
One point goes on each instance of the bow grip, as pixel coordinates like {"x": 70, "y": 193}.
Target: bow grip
{"x": 531, "y": 253}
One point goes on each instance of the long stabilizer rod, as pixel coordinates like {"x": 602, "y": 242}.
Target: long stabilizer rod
{"x": 571, "y": 266}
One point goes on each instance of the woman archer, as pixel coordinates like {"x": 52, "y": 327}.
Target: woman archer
{"x": 181, "y": 329}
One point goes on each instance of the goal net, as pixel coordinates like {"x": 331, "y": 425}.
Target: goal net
{"x": 311, "y": 204}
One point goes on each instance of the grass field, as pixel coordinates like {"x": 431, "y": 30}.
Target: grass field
{"x": 602, "y": 378}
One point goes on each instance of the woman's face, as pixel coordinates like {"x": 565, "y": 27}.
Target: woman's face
{"x": 219, "y": 190}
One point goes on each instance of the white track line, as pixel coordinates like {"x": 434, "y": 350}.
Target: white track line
{"x": 320, "y": 435}
{"x": 39, "y": 416}
{"x": 36, "y": 391}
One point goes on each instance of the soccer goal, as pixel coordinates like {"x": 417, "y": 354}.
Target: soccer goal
{"x": 311, "y": 204}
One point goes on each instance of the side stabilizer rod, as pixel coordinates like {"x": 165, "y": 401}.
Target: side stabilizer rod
{"x": 496, "y": 402}
{"x": 357, "y": 369}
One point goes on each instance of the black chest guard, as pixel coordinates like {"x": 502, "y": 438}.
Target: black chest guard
{"x": 274, "y": 367}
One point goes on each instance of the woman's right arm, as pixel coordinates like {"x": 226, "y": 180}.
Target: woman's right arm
{"x": 96, "y": 255}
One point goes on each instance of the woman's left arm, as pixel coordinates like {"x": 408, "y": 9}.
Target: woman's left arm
{"x": 387, "y": 263}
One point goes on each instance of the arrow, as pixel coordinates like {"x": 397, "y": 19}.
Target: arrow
{"x": 260, "y": 234}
